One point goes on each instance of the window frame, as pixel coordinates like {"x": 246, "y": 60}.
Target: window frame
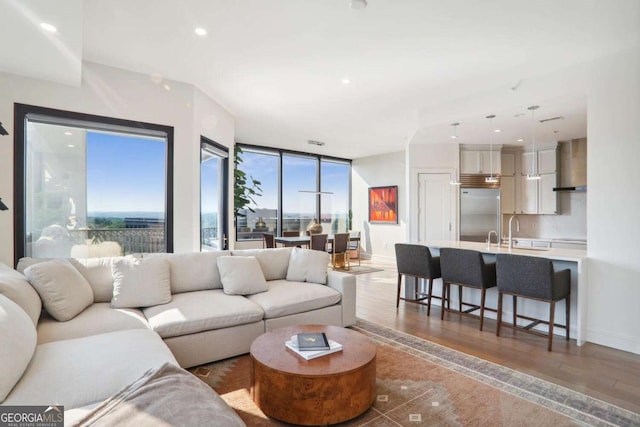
{"x": 101, "y": 123}
{"x": 317, "y": 157}
{"x": 211, "y": 144}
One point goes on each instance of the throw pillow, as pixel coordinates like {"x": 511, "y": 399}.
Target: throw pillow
{"x": 18, "y": 338}
{"x": 141, "y": 282}
{"x": 15, "y": 286}
{"x": 241, "y": 275}
{"x": 306, "y": 265}
{"x": 63, "y": 290}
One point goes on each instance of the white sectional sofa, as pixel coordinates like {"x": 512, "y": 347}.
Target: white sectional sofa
{"x": 126, "y": 315}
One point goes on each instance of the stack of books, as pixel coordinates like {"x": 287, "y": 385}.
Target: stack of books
{"x": 312, "y": 345}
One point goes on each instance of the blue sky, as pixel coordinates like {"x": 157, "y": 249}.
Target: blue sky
{"x": 125, "y": 173}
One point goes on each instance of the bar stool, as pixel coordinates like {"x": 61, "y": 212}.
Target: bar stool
{"x": 533, "y": 278}
{"x": 468, "y": 268}
{"x": 416, "y": 261}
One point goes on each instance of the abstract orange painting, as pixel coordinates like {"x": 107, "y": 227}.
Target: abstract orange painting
{"x": 383, "y": 205}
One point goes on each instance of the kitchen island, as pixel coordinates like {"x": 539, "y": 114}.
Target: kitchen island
{"x": 573, "y": 259}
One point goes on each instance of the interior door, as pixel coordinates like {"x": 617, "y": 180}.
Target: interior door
{"x": 435, "y": 207}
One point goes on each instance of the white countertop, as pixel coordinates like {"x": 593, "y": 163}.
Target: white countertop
{"x": 576, "y": 255}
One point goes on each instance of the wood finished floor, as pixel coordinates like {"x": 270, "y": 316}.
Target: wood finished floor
{"x": 601, "y": 372}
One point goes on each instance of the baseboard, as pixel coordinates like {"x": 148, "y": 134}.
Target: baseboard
{"x": 622, "y": 342}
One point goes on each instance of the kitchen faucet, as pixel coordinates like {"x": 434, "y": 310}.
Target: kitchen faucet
{"x": 489, "y": 239}
{"x": 517, "y": 229}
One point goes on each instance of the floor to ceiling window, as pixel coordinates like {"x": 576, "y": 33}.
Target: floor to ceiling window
{"x": 214, "y": 161}
{"x": 90, "y": 186}
{"x": 297, "y": 188}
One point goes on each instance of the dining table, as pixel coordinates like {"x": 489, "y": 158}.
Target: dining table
{"x": 305, "y": 240}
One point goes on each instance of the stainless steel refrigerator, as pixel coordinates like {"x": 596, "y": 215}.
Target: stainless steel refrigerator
{"x": 479, "y": 214}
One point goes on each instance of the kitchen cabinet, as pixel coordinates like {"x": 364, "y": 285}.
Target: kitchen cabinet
{"x": 508, "y": 183}
{"x": 479, "y": 161}
{"x": 537, "y": 196}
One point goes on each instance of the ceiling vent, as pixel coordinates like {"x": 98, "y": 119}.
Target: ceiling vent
{"x": 550, "y": 119}
{"x": 313, "y": 142}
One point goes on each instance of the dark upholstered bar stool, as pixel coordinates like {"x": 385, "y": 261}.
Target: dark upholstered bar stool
{"x": 534, "y": 278}
{"x": 465, "y": 267}
{"x": 416, "y": 261}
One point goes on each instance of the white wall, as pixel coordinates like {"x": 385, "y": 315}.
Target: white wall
{"x": 121, "y": 94}
{"x": 613, "y": 205}
{"x": 378, "y": 240}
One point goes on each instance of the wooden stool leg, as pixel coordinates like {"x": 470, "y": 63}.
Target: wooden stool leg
{"x": 429, "y": 297}
{"x": 445, "y": 291}
{"x": 482, "y": 298}
{"x": 567, "y": 303}
{"x": 515, "y": 310}
{"x": 398, "y": 294}
{"x": 499, "y": 313}
{"x": 552, "y": 311}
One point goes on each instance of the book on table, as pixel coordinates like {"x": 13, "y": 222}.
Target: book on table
{"x": 311, "y": 341}
{"x": 312, "y": 354}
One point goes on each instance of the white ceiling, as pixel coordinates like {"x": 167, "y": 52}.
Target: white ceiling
{"x": 415, "y": 66}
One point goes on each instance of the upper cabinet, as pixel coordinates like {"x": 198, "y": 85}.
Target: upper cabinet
{"x": 537, "y": 196}
{"x": 480, "y": 161}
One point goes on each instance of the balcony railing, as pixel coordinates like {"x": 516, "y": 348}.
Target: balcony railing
{"x": 131, "y": 240}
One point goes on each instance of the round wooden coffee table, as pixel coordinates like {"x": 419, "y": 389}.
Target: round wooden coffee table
{"x": 326, "y": 390}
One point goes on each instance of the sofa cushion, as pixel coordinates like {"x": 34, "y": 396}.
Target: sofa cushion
{"x": 307, "y": 265}
{"x": 86, "y": 370}
{"x": 14, "y": 286}
{"x": 140, "y": 282}
{"x": 18, "y": 338}
{"x": 63, "y": 290}
{"x": 285, "y": 297}
{"x": 274, "y": 262}
{"x": 97, "y": 271}
{"x": 196, "y": 271}
{"x": 241, "y": 275}
{"x": 99, "y": 274}
{"x": 96, "y": 319}
{"x": 198, "y": 311}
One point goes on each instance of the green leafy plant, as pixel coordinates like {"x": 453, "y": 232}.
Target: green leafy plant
{"x": 245, "y": 187}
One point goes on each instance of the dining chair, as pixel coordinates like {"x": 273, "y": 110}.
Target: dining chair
{"x": 268, "y": 240}
{"x": 465, "y": 268}
{"x": 290, "y": 233}
{"x": 354, "y": 245}
{"x": 318, "y": 242}
{"x": 533, "y": 278}
{"x": 416, "y": 261}
{"x": 340, "y": 247}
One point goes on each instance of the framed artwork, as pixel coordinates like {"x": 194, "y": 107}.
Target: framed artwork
{"x": 383, "y": 205}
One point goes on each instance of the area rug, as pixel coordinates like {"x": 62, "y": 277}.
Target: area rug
{"x": 420, "y": 383}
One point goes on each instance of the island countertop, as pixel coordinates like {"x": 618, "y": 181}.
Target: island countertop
{"x": 574, "y": 259}
{"x": 575, "y": 255}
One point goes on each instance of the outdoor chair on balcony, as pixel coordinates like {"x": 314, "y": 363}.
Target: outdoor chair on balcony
{"x": 268, "y": 240}
{"x": 339, "y": 251}
{"x": 416, "y": 261}
{"x": 533, "y": 278}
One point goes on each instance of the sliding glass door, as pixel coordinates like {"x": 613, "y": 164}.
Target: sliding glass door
{"x": 214, "y": 166}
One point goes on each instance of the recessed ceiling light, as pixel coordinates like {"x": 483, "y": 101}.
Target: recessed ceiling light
{"x": 201, "y": 31}
{"x": 357, "y": 4}
{"x": 68, "y": 133}
{"x": 70, "y": 145}
{"x": 345, "y": 81}
{"x": 48, "y": 27}
{"x": 497, "y": 130}
{"x": 166, "y": 86}
{"x": 520, "y": 140}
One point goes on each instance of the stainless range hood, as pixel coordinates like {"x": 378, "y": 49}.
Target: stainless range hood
{"x": 574, "y": 169}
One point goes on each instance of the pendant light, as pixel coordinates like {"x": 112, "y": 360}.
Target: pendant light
{"x": 456, "y": 179}
{"x": 534, "y": 171}
{"x": 491, "y": 179}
